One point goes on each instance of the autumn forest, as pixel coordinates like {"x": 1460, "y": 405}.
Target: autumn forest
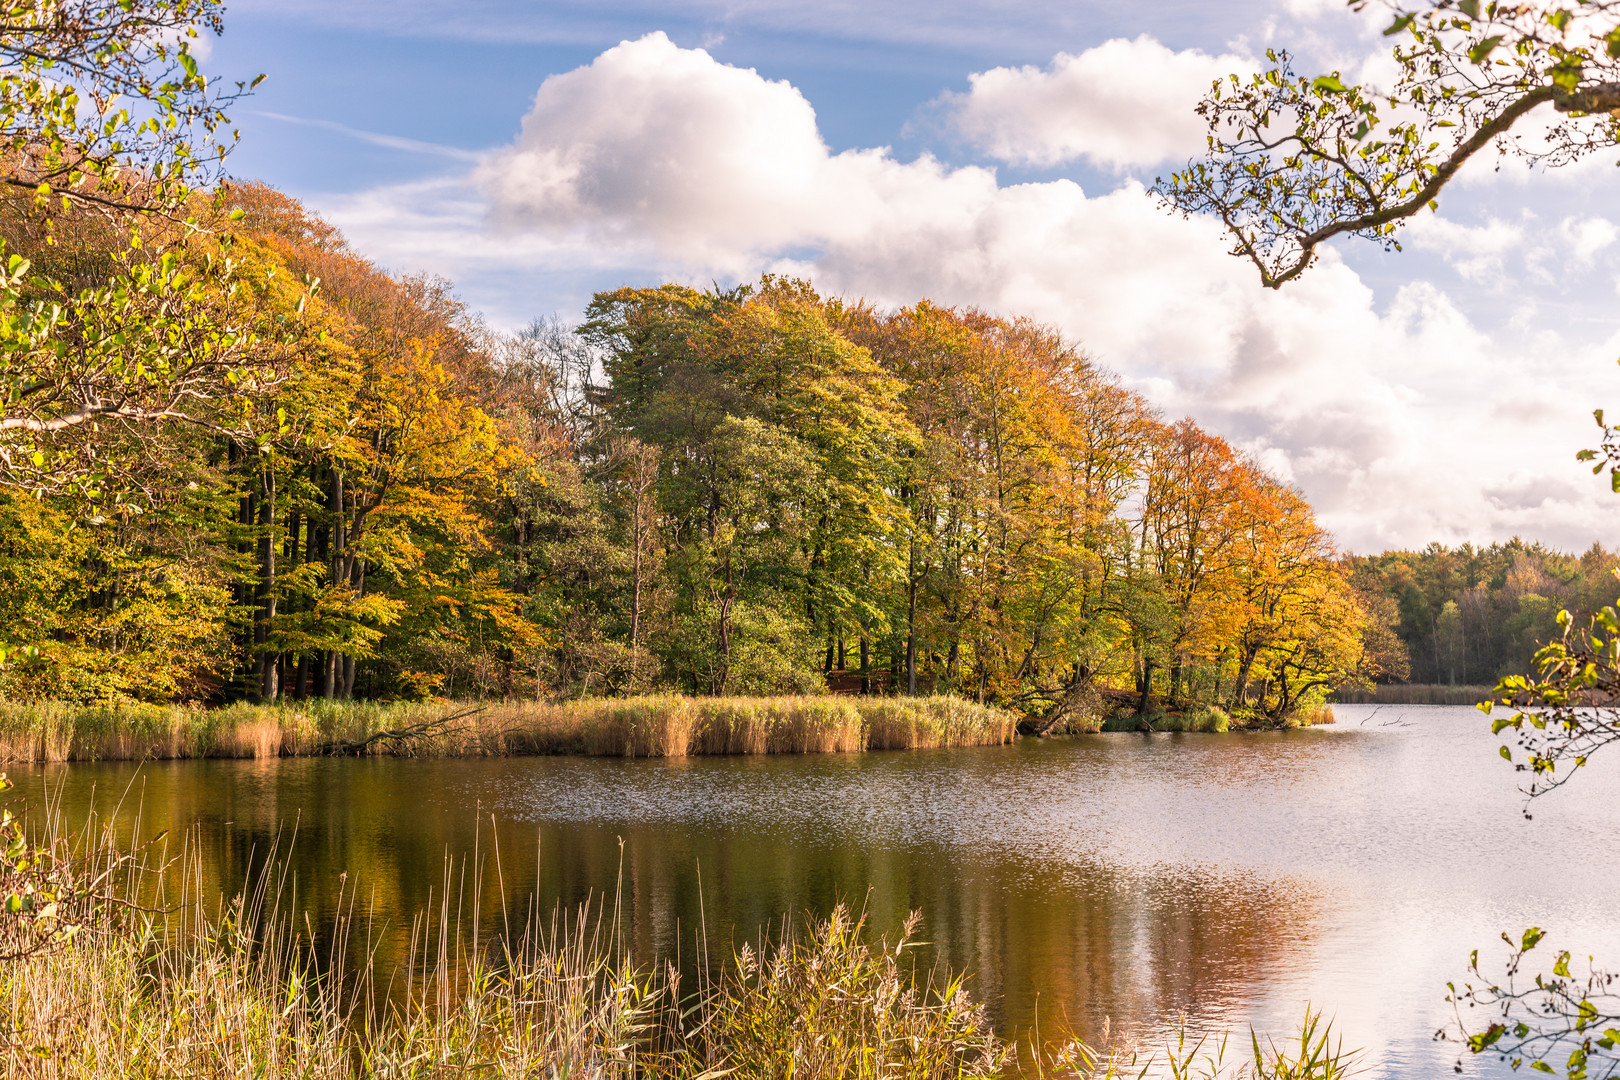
{"x": 755, "y": 490}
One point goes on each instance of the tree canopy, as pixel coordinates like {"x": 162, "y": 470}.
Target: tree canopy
{"x": 746, "y": 490}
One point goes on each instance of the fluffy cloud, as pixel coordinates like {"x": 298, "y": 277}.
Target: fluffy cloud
{"x": 1587, "y": 236}
{"x": 1119, "y": 105}
{"x": 656, "y": 142}
{"x": 1403, "y": 425}
{"x": 1477, "y": 252}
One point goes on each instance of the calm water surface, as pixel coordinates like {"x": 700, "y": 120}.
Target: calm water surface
{"x": 1227, "y": 878}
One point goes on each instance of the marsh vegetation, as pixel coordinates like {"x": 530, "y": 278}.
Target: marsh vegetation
{"x": 648, "y": 726}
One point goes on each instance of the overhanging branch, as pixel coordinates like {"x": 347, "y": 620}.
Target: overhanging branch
{"x": 1498, "y": 125}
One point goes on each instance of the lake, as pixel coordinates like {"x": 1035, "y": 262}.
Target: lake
{"x": 1229, "y": 879}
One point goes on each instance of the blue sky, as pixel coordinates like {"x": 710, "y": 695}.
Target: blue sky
{"x": 988, "y": 153}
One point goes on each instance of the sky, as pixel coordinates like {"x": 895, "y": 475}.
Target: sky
{"x": 984, "y": 153}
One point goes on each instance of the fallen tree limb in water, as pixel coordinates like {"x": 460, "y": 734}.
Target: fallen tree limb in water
{"x": 396, "y": 737}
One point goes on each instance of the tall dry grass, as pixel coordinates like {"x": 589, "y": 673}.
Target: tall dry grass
{"x": 174, "y": 988}
{"x": 650, "y": 726}
{"x": 236, "y": 994}
{"x": 1413, "y": 694}
{"x": 157, "y": 984}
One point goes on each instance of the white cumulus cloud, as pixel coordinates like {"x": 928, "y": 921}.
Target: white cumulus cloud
{"x": 1121, "y": 104}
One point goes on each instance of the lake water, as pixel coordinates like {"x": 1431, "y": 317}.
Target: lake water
{"x": 1230, "y": 879}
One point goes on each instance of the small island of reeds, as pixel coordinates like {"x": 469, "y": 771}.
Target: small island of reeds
{"x": 655, "y": 725}
{"x": 651, "y": 726}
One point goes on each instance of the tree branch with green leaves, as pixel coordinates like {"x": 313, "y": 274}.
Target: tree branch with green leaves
{"x": 1294, "y": 162}
{"x": 1567, "y": 1017}
{"x": 102, "y": 102}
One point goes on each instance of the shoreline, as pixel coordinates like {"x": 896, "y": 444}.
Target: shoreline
{"x": 650, "y": 726}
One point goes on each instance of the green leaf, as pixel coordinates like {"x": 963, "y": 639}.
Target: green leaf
{"x": 1329, "y": 84}
{"x": 238, "y": 214}
{"x": 1531, "y": 936}
{"x": 1399, "y": 24}
{"x": 1484, "y": 49}
{"x": 1507, "y": 755}
{"x": 1469, "y": 8}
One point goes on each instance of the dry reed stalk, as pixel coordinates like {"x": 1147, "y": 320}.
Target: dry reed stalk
{"x": 36, "y": 732}
{"x": 1314, "y": 715}
{"x": 647, "y": 726}
{"x": 936, "y": 721}
{"x": 1414, "y": 694}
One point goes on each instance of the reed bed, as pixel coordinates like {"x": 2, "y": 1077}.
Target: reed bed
{"x": 210, "y": 1003}
{"x": 130, "y": 974}
{"x": 206, "y": 1000}
{"x": 1414, "y": 694}
{"x": 1313, "y": 716}
{"x": 650, "y": 726}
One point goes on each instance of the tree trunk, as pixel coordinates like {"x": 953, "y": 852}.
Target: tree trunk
{"x": 269, "y": 666}
{"x": 357, "y": 581}
{"x": 911, "y": 622}
{"x": 723, "y": 637}
{"x": 1240, "y": 685}
{"x": 866, "y": 666}
{"x": 333, "y": 676}
{"x": 635, "y": 581}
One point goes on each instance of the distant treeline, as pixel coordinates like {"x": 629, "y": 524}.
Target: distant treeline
{"x": 754, "y": 490}
{"x": 1469, "y": 615}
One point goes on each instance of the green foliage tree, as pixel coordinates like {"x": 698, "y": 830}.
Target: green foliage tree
{"x": 105, "y": 118}
{"x": 1502, "y": 599}
{"x": 753, "y": 490}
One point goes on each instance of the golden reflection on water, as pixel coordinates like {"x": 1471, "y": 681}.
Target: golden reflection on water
{"x": 1062, "y": 943}
{"x": 1232, "y": 878}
